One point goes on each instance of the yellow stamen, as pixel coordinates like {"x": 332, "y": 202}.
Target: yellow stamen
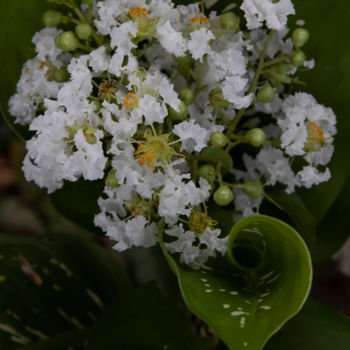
{"x": 137, "y": 12}
{"x": 130, "y": 101}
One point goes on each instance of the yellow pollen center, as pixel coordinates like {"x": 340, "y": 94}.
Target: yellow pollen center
{"x": 130, "y": 101}
{"x": 316, "y": 133}
{"x": 137, "y": 12}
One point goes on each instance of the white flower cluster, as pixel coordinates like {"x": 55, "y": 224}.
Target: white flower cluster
{"x": 144, "y": 100}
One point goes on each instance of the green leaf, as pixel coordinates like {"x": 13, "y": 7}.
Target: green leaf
{"x": 333, "y": 230}
{"x": 53, "y": 286}
{"x": 329, "y": 26}
{"x": 143, "y": 320}
{"x": 77, "y": 201}
{"x": 316, "y": 327}
{"x": 293, "y": 206}
{"x": 19, "y": 21}
{"x": 249, "y": 296}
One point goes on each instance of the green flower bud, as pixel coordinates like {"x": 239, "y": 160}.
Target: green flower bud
{"x": 179, "y": 116}
{"x": 187, "y": 96}
{"x": 60, "y": 75}
{"x": 229, "y": 21}
{"x": 223, "y": 195}
{"x": 300, "y": 36}
{"x": 298, "y": 58}
{"x": 111, "y": 180}
{"x": 52, "y": 18}
{"x": 266, "y": 94}
{"x": 218, "y": 139}
{"x": 217, "y": 99}
{"x": 68, "y": 41}
{"x": 256, "y": 137}
{"x": 207, "y": 172}
{"x": 253, "y": 189}
{"x": 83, "y": 31}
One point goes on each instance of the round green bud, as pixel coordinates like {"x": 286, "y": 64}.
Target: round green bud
{"x": 68, "y": 41}
{"x": 187, "y": 96}
{"x": 298, "y": 58}
{"x": 223, "y": 195}
{"x": 300, "y": 36}
{"x": 253, "y": 189}
{"x": 256, "y": 137}
{"x": 60, "y": 75}
{"x": 111, "y": 179}
{"x": 207, "y": 172}
{"x": 266, "y": 94}
{"x": 229, "y": 21}
{"x": 52, "y": 18}
{"x": 217, "y": 99}
{"x": 58, "y": 41}
{"x": 218, "y": 139}
{"x": 180, "y": 115}
{"x": 83, "y": 30}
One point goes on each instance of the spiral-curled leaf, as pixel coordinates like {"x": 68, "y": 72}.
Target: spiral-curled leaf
{"x": 262, "y": 283}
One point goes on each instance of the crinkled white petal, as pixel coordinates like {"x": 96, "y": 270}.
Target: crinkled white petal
{"x": 275, "y": 14}
{"x": 193, "y": 137}
{"x": 198, "y": 44}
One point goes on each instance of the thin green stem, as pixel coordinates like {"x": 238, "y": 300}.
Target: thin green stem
{"x": 253, "y": 84}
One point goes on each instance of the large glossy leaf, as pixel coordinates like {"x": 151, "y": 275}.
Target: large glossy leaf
{"x": 329, "y": 83}
{"x": 334, "y": 229}
{"x": 316, "y": 327}
{"x": 77, "y": 201}
{"x": 143, "y": 320}
{"x": 294, "y": 207}
{"x": 53, "y": 287}
{"x": 248, "y": 297}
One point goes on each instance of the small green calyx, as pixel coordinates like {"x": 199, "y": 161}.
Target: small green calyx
{"x": 88, "y": 131}
{"x": 60, "y": 75}
{"x": 180, "y": 115}
{"x": 253, "y": 189}
{"x": 277, "y": 74}
{"x": 207, "y": 172}
{"x": 223, "y": 195}
{"x": 266, "y": 94}
{"x": 187, "y": 96}
{"x": 216, "y": 99}
{"x": 67, "y": 41}
{"x": 298, "y": 58}
{"x": 300, "y": 37}
{"x": 218, "y": 139}
{"x": 155, "y": 148}
{"x": 52, "y": 18}
{"x": 229, "y": 21}
{"x": 111, "y": 179}
{"x": 255, "y": 137}
{"x": 83, "y": 31}
{"x": 139, "y": 206}
{"x": 199, "y": 221}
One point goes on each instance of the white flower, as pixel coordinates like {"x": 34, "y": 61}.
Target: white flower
{"x": 234, "y": 88}
{"x": 170, "y": 39}
{"x": 151, "y": 109}
{"x": 193, "y": 137}
{"x": 307, "y": 128}
{"x": 310, "y": 176}
{"x": 99, "y": 60}
{"x": 275, "y": 167}
{"x": 121, "y": 37}
{"x": 198, "y": 44}
{"x": 274, "y": 13}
